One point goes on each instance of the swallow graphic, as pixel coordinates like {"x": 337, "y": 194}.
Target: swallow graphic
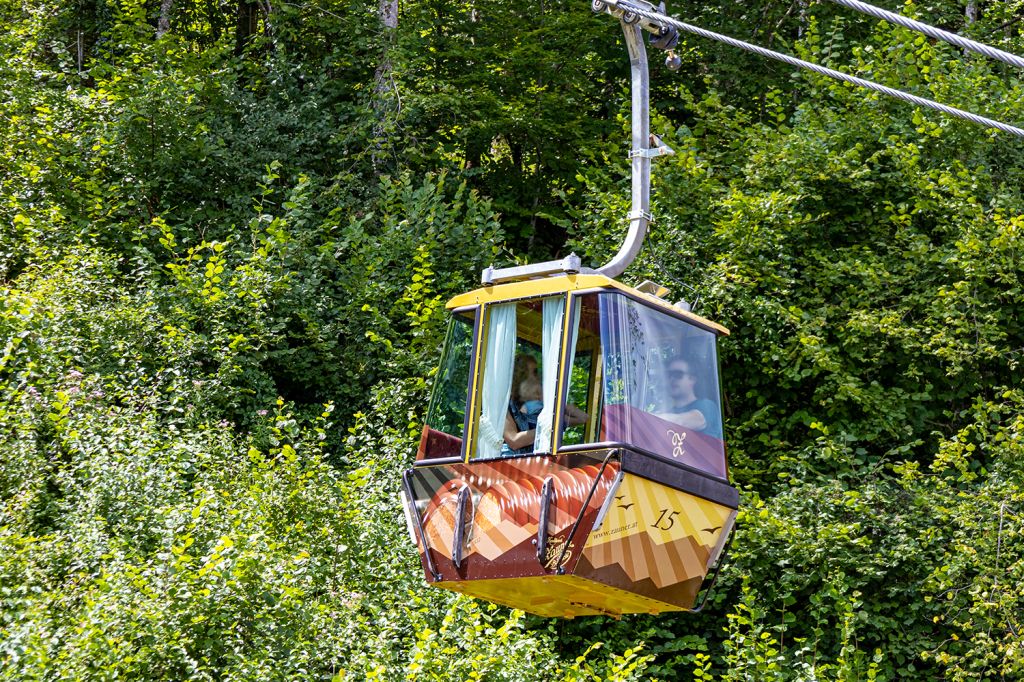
{"x": 709, "y": 530}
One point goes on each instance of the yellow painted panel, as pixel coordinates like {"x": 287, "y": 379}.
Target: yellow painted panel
{"x": 563, "y": 596}
{"x": 561, "y": 284}
{"x": 665, "y": 514}
{"x": 528, "y": 289}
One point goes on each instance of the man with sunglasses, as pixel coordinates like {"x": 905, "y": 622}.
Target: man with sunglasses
{"x": 685, "y": 408}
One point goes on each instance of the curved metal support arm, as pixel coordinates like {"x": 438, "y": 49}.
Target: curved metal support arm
{"x": 641, "y": 149}
{"x": 639, "y": 214}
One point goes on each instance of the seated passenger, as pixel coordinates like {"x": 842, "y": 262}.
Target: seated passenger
{"x": 526, "y": 405}
{"x": 685, "y": 408}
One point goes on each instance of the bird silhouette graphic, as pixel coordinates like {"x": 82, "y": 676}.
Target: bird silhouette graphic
{"x": 619, "y": 498}
{"x": 709, "y": 530}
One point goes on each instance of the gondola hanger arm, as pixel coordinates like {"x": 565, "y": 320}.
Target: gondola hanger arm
{"x": 644, "y": 147}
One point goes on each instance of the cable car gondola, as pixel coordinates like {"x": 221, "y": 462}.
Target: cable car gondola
{"x": 623, "y": 512}
{"x": 572, "y": 461}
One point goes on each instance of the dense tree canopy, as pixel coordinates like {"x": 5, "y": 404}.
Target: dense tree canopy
{"x": 227, "y": 233}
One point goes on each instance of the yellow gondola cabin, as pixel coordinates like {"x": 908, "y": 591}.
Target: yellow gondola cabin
{"x": 625, "y": 511}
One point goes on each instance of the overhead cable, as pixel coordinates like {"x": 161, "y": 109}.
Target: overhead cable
{"x": 937, "y": 33}
{"x": 793, "y": 61}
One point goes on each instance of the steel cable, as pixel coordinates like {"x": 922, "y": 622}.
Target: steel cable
{"x": 825, "y": 71}
{"x": 937, "y": 33}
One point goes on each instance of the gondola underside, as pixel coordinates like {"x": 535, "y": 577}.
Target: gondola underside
{"x": 614, "y": 542}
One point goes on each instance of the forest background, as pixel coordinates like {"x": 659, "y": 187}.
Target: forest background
{"x": 227, "y": 232}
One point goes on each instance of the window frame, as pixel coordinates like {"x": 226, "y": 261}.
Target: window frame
{"x": 597, "y": 374}
{"x": 452, "y": 320}
{"x": 477, "y": 376}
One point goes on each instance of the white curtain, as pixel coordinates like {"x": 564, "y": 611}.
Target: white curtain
{"x": 554, "y": 313}
{"x": 497, "y": 387}
{"x": 570, "y": 358}
{"x": 574, "y": 332}
{"x": 628, "y": 340}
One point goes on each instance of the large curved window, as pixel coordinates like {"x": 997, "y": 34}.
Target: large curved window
{"x": 649, "y": 380}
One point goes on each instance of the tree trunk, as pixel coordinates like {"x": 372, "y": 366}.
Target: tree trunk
{"x": 268, "y": 25}
{"x": 247, "y": 24}
{"x": 389, "y": 14}
{"x": 164, "y": 23}
{"x": 971, "y": 12}
{"x": 385, "y": 99}
{"x": 971, "y": 15}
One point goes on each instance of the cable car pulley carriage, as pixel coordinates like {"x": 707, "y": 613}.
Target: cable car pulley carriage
{"x": 619, "y": 500}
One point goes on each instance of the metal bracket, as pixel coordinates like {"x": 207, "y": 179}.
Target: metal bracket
{"x": 651, "y": 153}
{"x": 459, "y": 536}
{"x": 411, "y": 495}
{"x": 571, "y": 264}
{"x": 641, "y": 215}
{"x": 626, "y": 17}
{"x": 546, "y": 495}
{"x": 653, "y": 288}
{"x": 657, "y": 148}
{"x": 668, "y": 37}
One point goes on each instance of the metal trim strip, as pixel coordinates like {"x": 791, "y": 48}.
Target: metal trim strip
{"x": 673, "y": 474}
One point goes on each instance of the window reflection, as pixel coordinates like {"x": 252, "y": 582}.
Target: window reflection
{"x": 652, "y": 382}
{"x": 446, "y": 416}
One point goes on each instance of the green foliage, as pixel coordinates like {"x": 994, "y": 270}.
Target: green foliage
{"x": 224, "y": 258}
{"x": 139, "y": 539}
{"x": 513, "y": 97}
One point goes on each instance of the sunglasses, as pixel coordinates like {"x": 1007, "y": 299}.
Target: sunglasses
{"x": 679, "y": 373}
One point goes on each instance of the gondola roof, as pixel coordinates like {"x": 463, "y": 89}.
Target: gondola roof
{"x": 572, "y": 282}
